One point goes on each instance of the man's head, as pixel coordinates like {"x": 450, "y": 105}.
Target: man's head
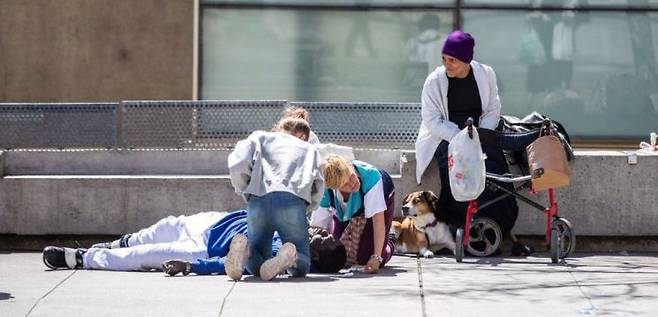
{"x": 339, "y": 174}
{"x": 327, "y": 254}
{"x": 294, "y": 126}
{"x": 457, "y": 53}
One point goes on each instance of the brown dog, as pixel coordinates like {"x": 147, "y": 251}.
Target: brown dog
{"x": 424, "y": 230}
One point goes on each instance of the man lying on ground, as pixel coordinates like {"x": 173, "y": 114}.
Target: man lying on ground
{"x": 186, "y": 244}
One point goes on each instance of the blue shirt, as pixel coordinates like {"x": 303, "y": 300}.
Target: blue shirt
{"x": 219, "y": 242}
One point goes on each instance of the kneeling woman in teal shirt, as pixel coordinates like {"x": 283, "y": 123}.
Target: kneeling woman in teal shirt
{"x": 357, "y": 207}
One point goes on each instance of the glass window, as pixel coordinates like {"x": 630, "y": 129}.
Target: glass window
{"x": 593, "y": 71}
{"x": 330, "y": 2}
{"x": 566, "y": 3}
{"x": 312, "y": 55}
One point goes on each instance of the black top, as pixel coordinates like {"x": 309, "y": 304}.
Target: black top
{"x": 464, "y": 100}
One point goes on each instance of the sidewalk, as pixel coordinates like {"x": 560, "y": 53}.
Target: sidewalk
{"x": 586, "y": 285}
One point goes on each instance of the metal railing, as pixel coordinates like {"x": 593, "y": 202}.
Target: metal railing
{"x": 198, "y": 124}
{"x": 58, "y": 125}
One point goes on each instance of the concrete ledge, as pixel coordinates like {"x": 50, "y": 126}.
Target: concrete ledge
{"x": 36, "y": 205}
{"x": 3, "y": 155}
{"x": 116, "y": 162}
{"x": 608, "y": 197}
{"x": 106, "y": 205}
{"x": 145, "y": 162}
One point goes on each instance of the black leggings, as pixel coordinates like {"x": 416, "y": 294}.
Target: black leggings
{"x": 516, "y": 141}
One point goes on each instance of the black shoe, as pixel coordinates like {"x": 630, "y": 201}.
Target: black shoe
{"x": 521, "y": 249}
{"x": 123, "y": 242}
{"x": 58, "y": 257}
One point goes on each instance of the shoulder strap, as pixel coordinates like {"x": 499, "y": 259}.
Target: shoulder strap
{"x": 331, "y": 198}
{"x": 363, "y": 195}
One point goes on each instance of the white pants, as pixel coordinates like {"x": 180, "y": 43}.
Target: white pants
{"x": 182, "y": 237}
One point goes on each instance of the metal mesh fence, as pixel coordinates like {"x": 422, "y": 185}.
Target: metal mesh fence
{"x": 199, "y": 124}
{"x": 183, "y": 124}
{"x": 378, "y": 125}
{"x": 58, "y": 125}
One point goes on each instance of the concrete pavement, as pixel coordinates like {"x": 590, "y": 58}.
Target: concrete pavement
{"x": 585, "y": 285}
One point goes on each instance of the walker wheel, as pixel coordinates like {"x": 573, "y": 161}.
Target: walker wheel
{"x": 485, "y": 238}
{"x": 555, "y": 245}
{"x": 567, "y": 237}
{"x": 459, "y": 248}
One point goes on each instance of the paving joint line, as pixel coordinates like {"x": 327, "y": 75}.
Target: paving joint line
{"x": 221, "y": 309}
{"x": 591, "y": 308}
{"x": 48, "y": 293}
{"x": 421, "y": 290}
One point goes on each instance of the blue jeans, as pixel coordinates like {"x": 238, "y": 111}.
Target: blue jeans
{"x": 283, "y": 212}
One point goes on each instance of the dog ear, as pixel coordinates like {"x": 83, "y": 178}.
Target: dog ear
{"x": 430, "y": 197}
{"x": 406, "y": 198}
{"x": 433, "y": 200}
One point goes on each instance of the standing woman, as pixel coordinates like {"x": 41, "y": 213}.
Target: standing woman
{"x": 452, "y": 93}
{"x": 362, "y": 197}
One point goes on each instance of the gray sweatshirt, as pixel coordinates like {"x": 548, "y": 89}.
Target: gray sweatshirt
{"x": 268, "y": 162}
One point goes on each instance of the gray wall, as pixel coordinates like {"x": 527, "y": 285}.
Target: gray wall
{"x": 81, "y": 50}
{"x": 114, "y": 192}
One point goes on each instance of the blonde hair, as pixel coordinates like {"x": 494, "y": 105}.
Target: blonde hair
{"x": 337, "y": 171}
{"x": 292, "y": 126}
{"x": 296, "y": 112}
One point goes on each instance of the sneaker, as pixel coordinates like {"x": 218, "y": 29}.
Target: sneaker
{"x": 123, "y": 241}
{"x": 237, "y": 257}
{"x": 284, "y": 259}
{"x": 58, "y": 257}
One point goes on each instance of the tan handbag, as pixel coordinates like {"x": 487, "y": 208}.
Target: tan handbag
{"x": 548, "y": 162}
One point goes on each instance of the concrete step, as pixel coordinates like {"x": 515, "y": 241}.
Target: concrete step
{"x": 608, "y": 196}
{"x": 146, "y": 162}
{"x": 110, "y": 204}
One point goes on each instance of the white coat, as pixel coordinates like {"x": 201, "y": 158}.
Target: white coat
{"x": 436, "y": 126}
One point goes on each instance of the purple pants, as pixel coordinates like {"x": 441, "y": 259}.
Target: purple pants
{"x": 367, "y": 242}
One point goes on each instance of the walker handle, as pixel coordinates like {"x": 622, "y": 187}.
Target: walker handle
{"x": 469, "y": 125}
{"x": 545, "y": 127}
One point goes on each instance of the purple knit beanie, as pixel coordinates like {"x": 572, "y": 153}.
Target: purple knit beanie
{"x": 460, "y": 46}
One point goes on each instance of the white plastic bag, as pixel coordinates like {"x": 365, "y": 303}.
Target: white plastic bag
{"x": 466, "y": 166}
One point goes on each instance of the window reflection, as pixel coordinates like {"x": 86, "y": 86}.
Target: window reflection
{"x": 593, "y": 71}
{"x": 615, "y": 3}
{"x": 314, "y": 55}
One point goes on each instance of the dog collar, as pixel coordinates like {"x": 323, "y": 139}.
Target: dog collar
{"x": 431, "y": 224}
